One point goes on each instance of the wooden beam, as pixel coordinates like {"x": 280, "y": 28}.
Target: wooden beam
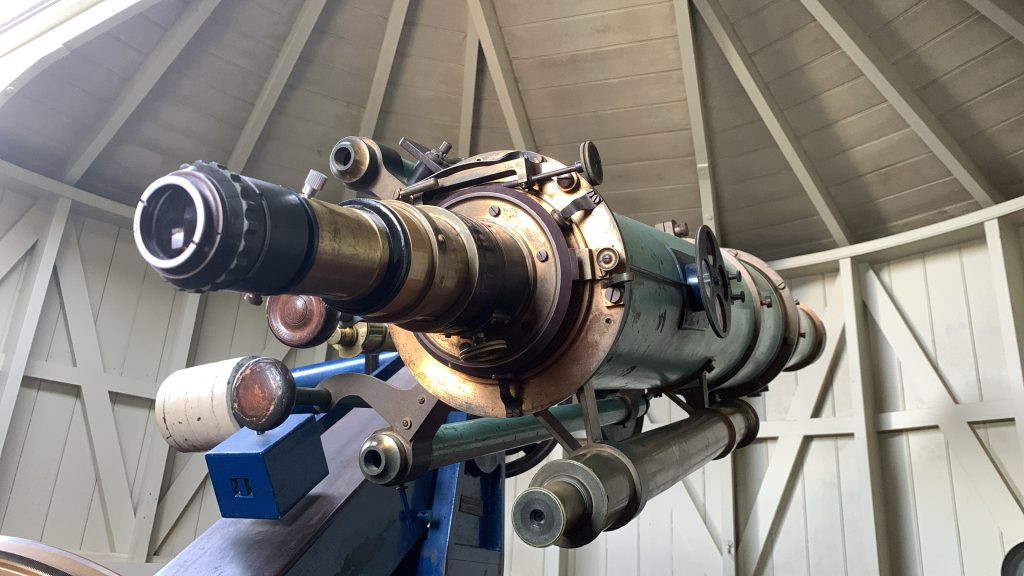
{"x": 903, "y": 420}
{"x": 22, "y": 236}
{"x": 722, "y": 472}
{"x": 877, "y": 68}
{"x": 157, "y": 455}
{"x": 82, "y": 376}
{"x": 814, "y": 427}
{"x": 177, "y": 497}
{"x": 20, "y": 65}
{"x": 22, "y": 330}
{"x": 276, "y": 80}
{"x": 703, "y": 552}
{"x": 385, "y": 63}
{"x": 470, "y": 67}
{"x": 151, "y": 70}
{"x": 1007, "y": 261}
{"x": 115, "y": 494}
{"x": 86, "y": 203}
{"x": 991, "y": 486}
{"x": 485, "y": 20}
{"x": 695, "y": 105}
{"x": 914, "y": 241}
{"x": 774, "y": 119}
{"x": 933, "y": 417}
{"x": 1007, "y": 14}
{"x": 865, "y": 438}
{"x": 783, "y": 467}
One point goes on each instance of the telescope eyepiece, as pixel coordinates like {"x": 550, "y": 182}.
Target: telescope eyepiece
{"x": 205, "y": 228}
{"x": 176, "y": 217}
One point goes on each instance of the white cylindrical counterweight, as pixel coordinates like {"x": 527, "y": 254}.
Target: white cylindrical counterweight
{"x": 193, "y": 405}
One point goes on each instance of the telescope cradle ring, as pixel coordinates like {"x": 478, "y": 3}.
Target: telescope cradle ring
{"x": 565, "y": 273}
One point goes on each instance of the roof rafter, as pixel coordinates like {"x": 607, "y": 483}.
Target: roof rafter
{"x": 695, "y": 104}
{"x": 86, "y": 203}
{"x": 876, "y": 67}
{"x": 152, "y": 69}
{"x": 23, "y": 63}
{"x": 771, "y": 113}
{"x": 276, "y": 80}
{"x": 469, "y": 73}
{"x": 485, "y": 20}
{"x": 385, "y": 63}
{"x": 1006, "y": 14}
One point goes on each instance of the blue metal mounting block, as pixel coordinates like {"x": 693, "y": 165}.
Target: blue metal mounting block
{"x": 264, "y": 475}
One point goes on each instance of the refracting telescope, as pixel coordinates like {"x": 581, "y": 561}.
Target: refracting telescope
{"x": 508, "y": 287}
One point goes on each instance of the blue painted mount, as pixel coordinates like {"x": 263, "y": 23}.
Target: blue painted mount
{"x": 263, "y": 475}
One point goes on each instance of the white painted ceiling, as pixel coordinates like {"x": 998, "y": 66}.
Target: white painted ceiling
{"x": 603, "y": 70}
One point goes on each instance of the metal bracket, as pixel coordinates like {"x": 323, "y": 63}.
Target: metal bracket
{"x": 585, "y": 203}
{"x": 565, "y": 439}
{"x": 591, "y": 419}
{"x": 513, "y": 404}
{"x": 413, "y": 413}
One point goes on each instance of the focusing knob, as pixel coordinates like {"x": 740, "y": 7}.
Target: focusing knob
{"x": 262, "y": 394}
{"x": 590, "y": 158}
{"x": 301, "y": 321}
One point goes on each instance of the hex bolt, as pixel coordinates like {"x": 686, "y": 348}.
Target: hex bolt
{"x": 766, "y": 302}
{"x": 406, "y": 423}
{"x": 542, "y": 255}
{"x": 494, "y": 211}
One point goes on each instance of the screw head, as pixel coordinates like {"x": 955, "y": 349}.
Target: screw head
{"x": 494, "y": 211}
{"x": 613, "y": 294}
{"x": 607, "y": 259}
{"x": 406, "y": 423}
{"x": 252, "y": 298}
{"x": 421, "y": 400}
{"x": 542, "y": 255}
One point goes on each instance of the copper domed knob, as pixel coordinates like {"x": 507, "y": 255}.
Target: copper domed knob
{"x": 301, "y": 321}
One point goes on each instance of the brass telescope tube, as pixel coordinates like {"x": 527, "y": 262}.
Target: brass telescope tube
{"x": 604, "y": 486}
{"x": 205, "y": 228}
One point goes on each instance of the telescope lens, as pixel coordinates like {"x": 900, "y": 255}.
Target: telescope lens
{"x": 173, "y": 221}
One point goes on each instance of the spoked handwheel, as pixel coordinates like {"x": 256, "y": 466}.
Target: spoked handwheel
{"x": 713, "y": 281}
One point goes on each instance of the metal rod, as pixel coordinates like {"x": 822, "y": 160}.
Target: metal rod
{"x": 311, "y": 376}
{"x": 603, "y": 486}
{"x": 482, "y": 436}
{"x": 388, "y": 459}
